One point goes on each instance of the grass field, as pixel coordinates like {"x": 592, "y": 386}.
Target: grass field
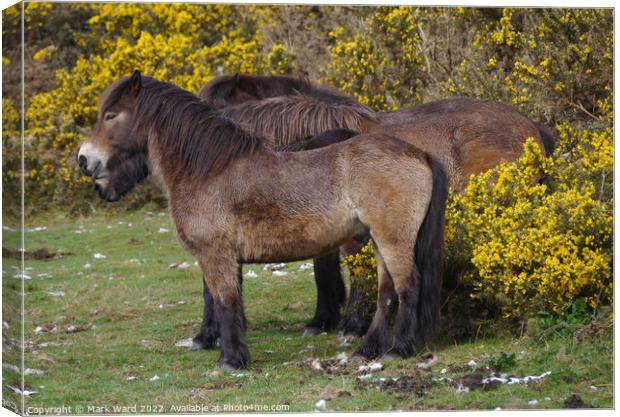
{"x": 101, "y": 326}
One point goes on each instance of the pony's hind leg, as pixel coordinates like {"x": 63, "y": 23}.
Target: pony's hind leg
{"x": 400, "y": 263}
{"x": 221, "y": 275}
{"x": 375, "y": 343}
{"x": 330, "y": 294}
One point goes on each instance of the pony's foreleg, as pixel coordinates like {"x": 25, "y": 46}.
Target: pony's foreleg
{"x": 209, "y": 332}
{"x": 221, "y": 275}
{"x": 330, "y": 294}
{"x": 375, "y": 342}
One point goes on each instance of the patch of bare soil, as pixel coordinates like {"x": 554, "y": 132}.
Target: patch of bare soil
{"x": 332, "y": 366}
{"x": 39, "y": 254}
{"x": 214, "y": 386}
{"x": 330, "y": 393}
{"x": 403, "y": 385}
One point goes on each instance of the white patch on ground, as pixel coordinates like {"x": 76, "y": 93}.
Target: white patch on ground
{"x": 274, "y": 267}
{"x": 305, "y": 266}
{"x": 8, "y": 229}
{"x": 33, "y": 371}
{"x": 134, "y": 261}
{"x": 183, "y": 265}
{"x": 184, "y": 343}
{"x": 163, "y": 230}
{"x": 279, "y": 273}
{"x": 87, "y": 266}
{"x": 154, "y": 378}
{"x": 251, "y": 274}
{"x": 18, "y": 391}
{"x": 80, "y": 328}
{"x": 321, "y": 405}
{"x": 370, "y": 368}
{"x": 11, "y": 367}
{"x": 132, "y": 378}
{"x": 55, "y": 293}
{"x": 38, "y": 229}
{"x": 428, "y": 361}
{"x": 510, "y": 380}
{"x": 533, "y": 402}
{"x": 44, "y": 275}
{"x": 45, "y": 329}
{"x": 22, "y": 275}
{"x": 99, "y": 256}
{"x": 342, "y": 358}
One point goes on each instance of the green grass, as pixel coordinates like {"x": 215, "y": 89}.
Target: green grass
{"x": 133, "y": 336}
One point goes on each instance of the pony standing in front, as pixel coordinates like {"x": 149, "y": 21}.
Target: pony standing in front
{"x": 234, "y": 201}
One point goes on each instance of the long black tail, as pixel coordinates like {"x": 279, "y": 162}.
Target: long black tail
{"x": 548, "y": 138}
{"x": 429, "y": 253}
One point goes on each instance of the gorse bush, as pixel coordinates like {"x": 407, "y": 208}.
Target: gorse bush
{"x": 533, "y": 234}
{"x": 528, "y": 245}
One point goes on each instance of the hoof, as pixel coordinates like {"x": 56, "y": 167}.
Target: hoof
{"x": 312, "y": 331}
{"x": 224, "y": 367}
{"x": 391, "y": 356}
{"x": 206, "y": 343}
{"x": 357, "y": 358}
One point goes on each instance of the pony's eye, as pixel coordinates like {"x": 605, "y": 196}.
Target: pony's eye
{"x": 109, "y": 116}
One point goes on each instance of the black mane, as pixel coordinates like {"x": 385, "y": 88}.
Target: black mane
{"x": 262, "y": 87}
{"x": 187, "y": 128}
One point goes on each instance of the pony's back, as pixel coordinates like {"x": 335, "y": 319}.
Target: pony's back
{"x": 234, "y": 89}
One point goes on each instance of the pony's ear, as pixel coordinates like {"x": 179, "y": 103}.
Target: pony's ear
{"x": 135, "y": 83}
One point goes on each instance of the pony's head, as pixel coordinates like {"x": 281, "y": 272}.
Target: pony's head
{"x": 229, "y": 90}
{"x": 113, "y": 154}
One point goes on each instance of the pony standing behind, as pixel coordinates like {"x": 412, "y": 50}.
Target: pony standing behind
{"x": 468, "y": 136}
{"x": 233, "y": 201}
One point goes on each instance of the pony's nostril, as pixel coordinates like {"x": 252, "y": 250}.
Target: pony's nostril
{"x": 82, "y": 161}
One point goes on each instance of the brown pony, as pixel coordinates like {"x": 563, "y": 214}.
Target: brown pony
{"x": 468, "y": 136}
{"x": 232, "y": 201}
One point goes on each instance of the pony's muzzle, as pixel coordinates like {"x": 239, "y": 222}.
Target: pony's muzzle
{"x": 91, "y": 161}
